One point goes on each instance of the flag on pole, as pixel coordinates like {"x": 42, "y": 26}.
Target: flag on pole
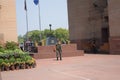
{"x": 25, "y": 5}
{"x": 36, "y": 2}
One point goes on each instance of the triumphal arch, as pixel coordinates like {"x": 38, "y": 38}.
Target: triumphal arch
{"x": 97, "y": 20}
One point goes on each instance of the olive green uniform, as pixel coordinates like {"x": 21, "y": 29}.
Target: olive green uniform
{"x": 58, "y": 51}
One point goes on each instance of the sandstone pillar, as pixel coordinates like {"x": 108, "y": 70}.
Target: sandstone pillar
{"x": 84, "y": 22}
{"x": 8, "y": 29}
{"x": 114, "y": 23}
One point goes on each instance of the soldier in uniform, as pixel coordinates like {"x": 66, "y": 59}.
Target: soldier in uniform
{"x": 93, "y": 46}
{"x": 58, "y": 50}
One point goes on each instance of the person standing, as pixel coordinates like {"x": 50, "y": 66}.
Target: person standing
{"x": 94, "y": 47}
{"x": 58, "y": 50}
{"x": 21, "y": 46}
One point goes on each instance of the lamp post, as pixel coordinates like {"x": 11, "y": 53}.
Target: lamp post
{"x": 50, "y": 26}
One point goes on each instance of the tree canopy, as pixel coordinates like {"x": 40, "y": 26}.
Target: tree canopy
{"x": 36, "y": 35}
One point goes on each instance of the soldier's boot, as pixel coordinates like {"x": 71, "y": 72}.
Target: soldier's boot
{"x": 57, "y": 58}
{"x": 60, "y": 58}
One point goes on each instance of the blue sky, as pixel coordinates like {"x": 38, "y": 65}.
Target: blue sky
{"x": 51, "y": 12}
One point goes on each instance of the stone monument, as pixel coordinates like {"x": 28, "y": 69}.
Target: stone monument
{"x": 8, "y": 29}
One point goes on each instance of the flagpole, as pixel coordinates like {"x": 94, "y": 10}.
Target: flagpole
{"x": 26, "y": 19}
{"x": 27, "y": 24}
{"x": 39, "y": 20}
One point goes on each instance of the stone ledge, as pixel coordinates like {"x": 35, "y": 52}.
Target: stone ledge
{"x": 68, "y": 50}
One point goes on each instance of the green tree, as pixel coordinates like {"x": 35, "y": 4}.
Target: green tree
{"x": 62, "y": 34}
{"x": 34, "y": 35}
{"x": 20, "y": 39}
{"x": 47, "y": 33}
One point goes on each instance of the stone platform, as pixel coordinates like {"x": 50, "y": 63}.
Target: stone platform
{"x": 67, "y": 51}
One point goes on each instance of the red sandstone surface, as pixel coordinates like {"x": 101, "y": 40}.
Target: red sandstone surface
{"x": 88, "y": 67}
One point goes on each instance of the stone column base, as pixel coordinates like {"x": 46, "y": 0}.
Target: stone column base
{"x": 114, "y": 45}
{"x": 85, "y": 44}
{"x": 80, "y": 43}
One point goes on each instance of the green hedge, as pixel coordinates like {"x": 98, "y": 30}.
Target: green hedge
{"x": 16, "y": 59}
{"x": 11, "y": 58}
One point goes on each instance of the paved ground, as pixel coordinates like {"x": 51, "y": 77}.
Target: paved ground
{"x": 88, "y": 67}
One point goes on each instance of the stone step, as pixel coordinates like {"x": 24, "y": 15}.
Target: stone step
{"x": 67, "y": 51}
